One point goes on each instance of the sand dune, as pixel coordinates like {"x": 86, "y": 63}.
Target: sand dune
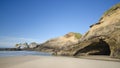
{"x": 54, "y": 62}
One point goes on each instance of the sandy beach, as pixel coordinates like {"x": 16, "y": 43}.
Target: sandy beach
{"x": 54, "y": 62}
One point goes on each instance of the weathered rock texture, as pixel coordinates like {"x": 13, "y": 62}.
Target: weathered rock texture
{"x": 61, "y": 43}
{"x": 103, "y": 38}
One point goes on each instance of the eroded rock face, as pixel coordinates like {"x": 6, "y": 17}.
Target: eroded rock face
{"x": 95, "y": 46}
{"x": 103, "y": 38}
{"x": 107, "y": 30}
{"x": 60, "y": 43}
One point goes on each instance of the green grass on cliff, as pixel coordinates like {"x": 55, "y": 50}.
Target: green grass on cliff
{"x": 112, "y": 9}
{"x": 78, "y": 35}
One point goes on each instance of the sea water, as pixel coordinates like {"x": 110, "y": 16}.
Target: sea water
{"x": 22, "y": 53}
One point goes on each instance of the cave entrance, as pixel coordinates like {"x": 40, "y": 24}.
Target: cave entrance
{"x": 99, "y": 48}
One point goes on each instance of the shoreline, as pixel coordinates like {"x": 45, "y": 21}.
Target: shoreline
{"x": 54, "y": 62}
{"x": 10, "y": 49}
{"x": 89, "y": 57}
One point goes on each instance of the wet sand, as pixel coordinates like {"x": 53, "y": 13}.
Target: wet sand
{"x": 54, "y": 62}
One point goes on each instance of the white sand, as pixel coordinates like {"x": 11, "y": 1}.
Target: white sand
{"x": 54, "y": 62}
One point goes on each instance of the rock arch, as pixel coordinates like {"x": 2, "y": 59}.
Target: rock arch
{"x": 95, "y": 48}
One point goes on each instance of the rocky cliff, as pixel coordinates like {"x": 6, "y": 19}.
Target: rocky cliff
{"x": 60, "y": 43}
{"x": 103, "y": 38}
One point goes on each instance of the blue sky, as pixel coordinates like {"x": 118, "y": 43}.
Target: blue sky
{"x": 40, "y": 20}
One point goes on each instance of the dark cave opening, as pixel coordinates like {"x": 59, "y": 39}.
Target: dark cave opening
{"x": 96, "y": 48}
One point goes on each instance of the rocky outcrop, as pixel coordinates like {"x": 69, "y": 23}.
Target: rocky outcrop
{"x": 33, "y": 45}
{"x": 102, "y": 38}
{"x": 22, "y": 46}
{"x": 60, "y": 44}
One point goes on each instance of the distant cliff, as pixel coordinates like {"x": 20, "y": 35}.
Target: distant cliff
{"x": 25, "y": 45}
